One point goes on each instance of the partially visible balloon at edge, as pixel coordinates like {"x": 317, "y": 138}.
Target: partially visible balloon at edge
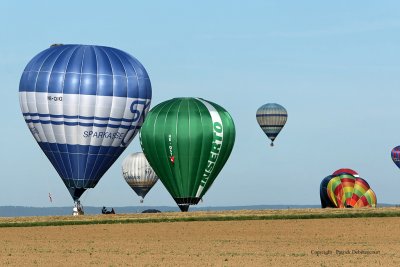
{"x": 395, "y": 154}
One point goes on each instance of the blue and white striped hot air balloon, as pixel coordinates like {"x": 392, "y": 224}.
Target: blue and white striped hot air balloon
{"x": 271, "y": 117}
{"x": 84, "y": 104}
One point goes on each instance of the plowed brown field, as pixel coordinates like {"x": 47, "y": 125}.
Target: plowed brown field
{"x": 310, "y": 242}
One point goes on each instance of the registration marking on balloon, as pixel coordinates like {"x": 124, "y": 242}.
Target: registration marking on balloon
{"x": 171, "y": 155}
{"x": 218, "y": 133}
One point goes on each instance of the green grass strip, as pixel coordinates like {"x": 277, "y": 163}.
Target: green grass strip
{"x": 203, "y": 218}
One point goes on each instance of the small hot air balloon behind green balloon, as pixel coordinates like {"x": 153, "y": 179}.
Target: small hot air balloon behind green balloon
{"x": 138, "y": 173}
{"x": 187, "y": 141}
{"x": 271, "y": 117}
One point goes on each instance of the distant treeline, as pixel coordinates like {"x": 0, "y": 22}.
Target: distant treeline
{"x": 17, "y": 211}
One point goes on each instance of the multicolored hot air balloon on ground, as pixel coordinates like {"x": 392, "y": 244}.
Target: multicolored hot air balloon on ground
{"x": 187, "y": 142}
{"x": 138, "y": 173}
{"x": 271, "y": 117}
{"x": 345, "y": 189}
{"x": 84, "y": 104}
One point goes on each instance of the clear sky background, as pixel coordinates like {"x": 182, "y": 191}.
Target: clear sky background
{"x": 334, "y": 65}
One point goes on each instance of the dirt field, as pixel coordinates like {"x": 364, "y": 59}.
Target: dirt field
{"x": 312, "y": 242}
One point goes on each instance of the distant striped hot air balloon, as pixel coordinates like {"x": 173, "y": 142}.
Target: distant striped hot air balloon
{"x": 271, "y": 117}
{"x": 138, "y": 173}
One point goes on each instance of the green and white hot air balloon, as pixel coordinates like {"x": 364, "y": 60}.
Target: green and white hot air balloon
{"x": 187, "y": 141}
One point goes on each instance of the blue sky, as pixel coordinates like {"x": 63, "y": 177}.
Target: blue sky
{"x": 333, "y": 65}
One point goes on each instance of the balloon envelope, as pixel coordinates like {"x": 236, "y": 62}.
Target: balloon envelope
{"x": 271, "y": 117}
{"x": 83, "y": 104}
{"x": 187, "y": 142}
{"x": 396, "y": 156}
{"x": 323, "y": 193}
{"x": 138, "y": 173}
{"x": 344, "y": 190}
